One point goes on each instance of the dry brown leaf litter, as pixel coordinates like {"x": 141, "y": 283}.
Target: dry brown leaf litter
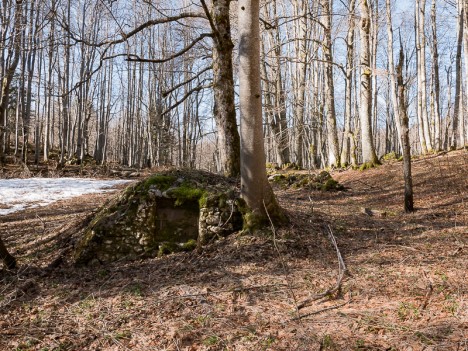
{"x": 407, "y": 288}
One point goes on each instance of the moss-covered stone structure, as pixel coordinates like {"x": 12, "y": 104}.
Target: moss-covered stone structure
{"x": 322, "y": 181}
{"x": 169, "y": 211}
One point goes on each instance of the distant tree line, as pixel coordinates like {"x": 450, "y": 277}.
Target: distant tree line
{"x": 145, "y": 83}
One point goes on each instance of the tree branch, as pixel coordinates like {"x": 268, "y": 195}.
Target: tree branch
{"x": 190, "y": 92}
{"x": 126, "y": 36}
{"x": 167, "y": 92}
{"x": 136, "y": 58}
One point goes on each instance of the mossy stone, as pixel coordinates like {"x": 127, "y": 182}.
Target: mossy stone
{"x": 189, "y": 245}
{"x": 161, "y": 214}
{"x": 167, "y": 248}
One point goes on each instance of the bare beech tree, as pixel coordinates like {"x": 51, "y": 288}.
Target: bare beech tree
{"x": 349, "y": 142}
{"x": 424, "y": 131}
{"x": 10, "y": 64}
{"x": 404, "y": 121}
{"x": 332, "y": 134}
{"x": 400, "y": 108}
{"x": 458, "y": 108}
{"x": 255, "y": 189}
{"x": 365, "y": 109}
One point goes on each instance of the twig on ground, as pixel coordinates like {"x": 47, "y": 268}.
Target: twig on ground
{"x": 342, "y": 270}
{"x": 27, "y": 287}
{"x": 235, "y": 289}
{"x": 320, "y": 311}
{"x": 283, "y": 263}
{"x": 370, "y": 186}
{"x": 428, "y": 294}
{"x": 402, "y": 246}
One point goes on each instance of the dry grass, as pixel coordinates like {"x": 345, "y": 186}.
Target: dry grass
{"x": 406, "y": 289}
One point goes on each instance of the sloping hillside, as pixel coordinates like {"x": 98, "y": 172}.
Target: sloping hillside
{"x": 405, "y": 286}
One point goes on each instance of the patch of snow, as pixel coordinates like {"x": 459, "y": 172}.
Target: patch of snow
{"x": 19, "y": 194}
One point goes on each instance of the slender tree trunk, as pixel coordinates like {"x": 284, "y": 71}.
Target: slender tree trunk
{"x": 223, "y": 89}
{"x": 457, "y": 114}
{"x": 65, "y": 100}
{"x": 301, "y": 76}
{"x": 8, "y": 76}
{"x": 332, "y": 134}
{"x": 391, "y": 68}
{"x": 280, "y": 124}
{"x": 406, "y": 146}
{"x": 348, "y": 136}
{"x": 436, "y": 79}
{"x": 424, "y": 129}
{"x": 365, "y": 109}
{"x": 275, "y": 96}
{"x": 465, "y": 52}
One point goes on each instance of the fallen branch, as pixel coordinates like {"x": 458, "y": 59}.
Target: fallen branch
{"x": 342, "y": 270}
{"x": 237, "y": 289}
{"x": 283, "y": 263}
{"x": 28, "y": 287}
{"x": 320, "y": 311}
{"x": 369, "y": 185}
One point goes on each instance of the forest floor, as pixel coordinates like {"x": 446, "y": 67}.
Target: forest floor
{"x": 406, "y": 285}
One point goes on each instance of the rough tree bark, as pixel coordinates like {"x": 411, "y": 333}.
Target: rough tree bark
{"x": 223, "y": 89}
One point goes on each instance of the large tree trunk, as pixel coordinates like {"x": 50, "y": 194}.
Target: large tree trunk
{"x": 223, "y": 90}
{"x": 255, "y": 189}
{"x": 332, "y": 134}
{"x": 365, "y": 109}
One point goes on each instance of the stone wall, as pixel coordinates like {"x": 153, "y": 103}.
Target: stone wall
{"x": 166, "y": 212}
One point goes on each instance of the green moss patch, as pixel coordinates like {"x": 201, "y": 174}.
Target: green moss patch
{"x": 368, "y": 165}
{"x": 161, "y": 181}
{"x": 391, "y": 156}
{"x": 184, "y": 193}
